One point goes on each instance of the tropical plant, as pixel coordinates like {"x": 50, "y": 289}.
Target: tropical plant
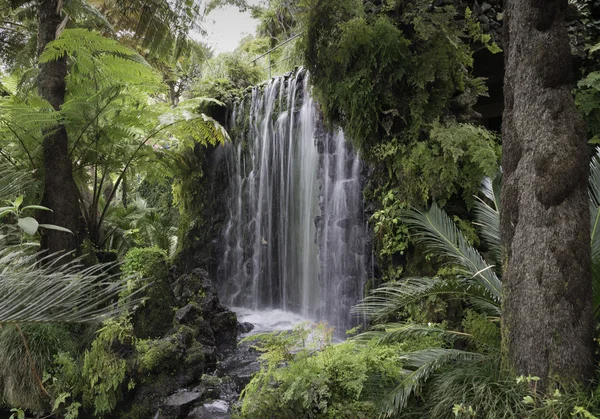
{"x": 116, "y": 121}
{"x": 304, "y": 375}
{"x": 39, "y": 291}
{"x": 475, "y": 281}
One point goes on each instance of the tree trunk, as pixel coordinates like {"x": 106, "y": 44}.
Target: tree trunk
{"x": 545, "y": 221}
{"x": 60, "y": 190}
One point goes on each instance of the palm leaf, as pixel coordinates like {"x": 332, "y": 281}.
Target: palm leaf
{"x": 391, "y": 297}
{"x": 398, "y": 332}
{"x": 487, "y": 215}
{"x": 37, "y": 288}
{"x": 594, "y": 195}
{"x": 419, "y": 366}
{"x": 13, "y": 181}
{"x": 438, "y": 232}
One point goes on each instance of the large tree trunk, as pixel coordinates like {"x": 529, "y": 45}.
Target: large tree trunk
{"x": 547, "y": 309}
{"x": 60, "y": 190}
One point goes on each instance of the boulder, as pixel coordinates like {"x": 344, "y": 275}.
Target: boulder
{"x": 178, "y": 405}
{"x": 218, "y": 409}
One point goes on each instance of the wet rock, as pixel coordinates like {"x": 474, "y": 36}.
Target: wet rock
{"x": 216, "y": 323}
{"x": 188, "y": 314}
{"x": 218, "y": 409}
{"x": 179, "y": 404}
{"x": 241, "y": 366}
{"x": 244, "y": 327}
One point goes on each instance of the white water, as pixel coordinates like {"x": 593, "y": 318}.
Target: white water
{"x": 294, "y": 240}
{"x": 269, "y": 320}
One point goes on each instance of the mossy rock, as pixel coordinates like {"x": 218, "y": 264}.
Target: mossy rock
{"x": 148, "y": 267}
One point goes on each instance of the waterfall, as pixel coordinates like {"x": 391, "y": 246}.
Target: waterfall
{"x": 295, "y": 235}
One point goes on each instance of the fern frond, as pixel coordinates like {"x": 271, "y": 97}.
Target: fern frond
{"x": 438, "y": 232}
{"x": 82, "y": 43}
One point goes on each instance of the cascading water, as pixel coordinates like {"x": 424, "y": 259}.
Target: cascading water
{"x": 295, "y": 236}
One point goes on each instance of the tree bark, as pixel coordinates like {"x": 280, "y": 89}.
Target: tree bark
{"x": 545, "y": 222}
{"x": 60, "y": 190}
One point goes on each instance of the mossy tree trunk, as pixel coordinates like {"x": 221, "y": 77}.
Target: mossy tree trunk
{"x": 547, "y": 309}
{"x": 60, "y": 190}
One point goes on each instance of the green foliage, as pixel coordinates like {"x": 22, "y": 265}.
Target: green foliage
{"x": 486, "y": 334}
{"x": 391, "y": 74}
{"x": 148, "y": 269}
{"x": 145, "y": 263}
{"x": 24, "y": 358}
{"x": 304, "y": 375}
{"x": 454, "y": 160}
{"x": 385, "y": 71}
{"x": 587, "y": 99}
{"x": 234, "y": 67}
{"x": 154, "y": 355}
{"x": 104, "y": 369}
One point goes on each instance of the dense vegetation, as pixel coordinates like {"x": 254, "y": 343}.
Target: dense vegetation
{"x": 107, "y": 109}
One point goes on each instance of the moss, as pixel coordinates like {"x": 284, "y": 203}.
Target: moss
{"x": 156, "y": 355}
{"x": 186, "y": 334}
{"x": 148, "y": 267}
{"x": 194, "y": 354}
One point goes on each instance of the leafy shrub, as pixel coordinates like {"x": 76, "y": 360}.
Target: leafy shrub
{"x": 148, "y": 266}
{"x": 22, "y": 367}
{"x": 104, "y": 367}
{"x": 304, "y": 375}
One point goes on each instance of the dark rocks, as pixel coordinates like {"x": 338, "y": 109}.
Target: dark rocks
{"x": 217, "y": 409}
{"x": 240, "y": 366}
{"x": 188, "y": 314}
{"x": 203, "y": 310}
{"x": 201, "y": 332}
{"x": 244, "y": 327}
{"x": 179, "y": 404}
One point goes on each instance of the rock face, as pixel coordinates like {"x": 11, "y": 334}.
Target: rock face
{"x": 173, "y": 373}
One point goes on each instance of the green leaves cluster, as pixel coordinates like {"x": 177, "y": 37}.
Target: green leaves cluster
{"x": 385, "y": 71}
{"x": 117, "y": 117}
{"x": 345, "y": 380}
{"x": 104, "y": 370}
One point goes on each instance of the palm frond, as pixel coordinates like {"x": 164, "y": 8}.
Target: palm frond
{"x": 38, "y": 289}
{"x": 438, "y": 232}
{"x": 391, "y": 297}
{"x": 594, "y": 195}
{"x": 488, "y": 216}
{"x": 13, "y": 181}
{"x": 397, "y": 332}
{"x": 419, "y": 366}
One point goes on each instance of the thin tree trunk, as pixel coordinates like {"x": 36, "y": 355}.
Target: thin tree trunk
{"x": 60, "y": 190}
{"x": 545, "y": 220}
